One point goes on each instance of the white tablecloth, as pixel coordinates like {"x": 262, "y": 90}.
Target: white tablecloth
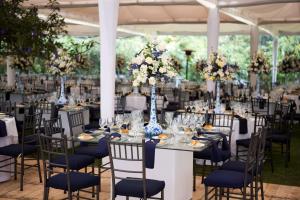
{"x": 135, "y": 102}
{"x": 11, "y": 138}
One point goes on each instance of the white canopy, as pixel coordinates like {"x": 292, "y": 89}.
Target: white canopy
{"x": 182, "y": 16}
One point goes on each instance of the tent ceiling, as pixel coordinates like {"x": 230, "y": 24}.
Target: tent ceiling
{"x": 181, "y": 16}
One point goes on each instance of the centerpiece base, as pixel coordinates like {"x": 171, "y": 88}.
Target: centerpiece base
{"x": 153, "y": 129}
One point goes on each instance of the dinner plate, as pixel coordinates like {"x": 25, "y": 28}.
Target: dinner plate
{"x": 85, "y": 137}
{"x": 197, "y": 145}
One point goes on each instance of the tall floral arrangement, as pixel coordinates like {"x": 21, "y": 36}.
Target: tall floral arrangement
{"x": 201, "y": 65}
{"x": 290, "y": 63}
{"x": 175, "y": 62}
{"x": 217, "y": 68}
{"x": 259, "y": 64}
{"x": 151, "y": 64}
{"x": 65, "y": 61}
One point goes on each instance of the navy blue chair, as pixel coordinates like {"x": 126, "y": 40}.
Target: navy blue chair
{"x": 222, "y": 179}
{"x": 238, "y": 165}
{"x": 76, "y": 162}
{"x": 28, "y": 145}
{"x": 76, "y": 125}
{"x": 70, "y": 181}
{"x": 224, "y": 153}
{"x": 122, "y": 183}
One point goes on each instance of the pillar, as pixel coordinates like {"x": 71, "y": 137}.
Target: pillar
{"x": 10, "y": 72}
{"x": 274, "y": 61}
{"x": 254, "y": 41}
{"x": 213, "y": 29}
{"x": 108, "y": 14}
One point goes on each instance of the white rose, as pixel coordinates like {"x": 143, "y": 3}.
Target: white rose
{"x": 152, "y": 80}
{"x": 162, "y": 70}
{"x": 135, "y": 72}
{"x": 144, "y": 68}
{"x": 161, "y": 46}
{"x": 149, "y": 60}
{"x": 135, "y": 83}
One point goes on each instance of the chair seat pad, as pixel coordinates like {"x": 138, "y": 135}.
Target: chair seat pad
{"x": 226, "y": 179}
{"x": 14, "y": 150}
{"x": 77, "y": 181}
{"x": 95, "y": 151}
{"x": 134, "y": 188}
{"x": 76, "y": 161}
{"x": 234, "y": 165}
{"x": 243, "y": 142}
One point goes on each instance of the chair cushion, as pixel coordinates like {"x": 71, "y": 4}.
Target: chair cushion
{"x": 76, "y": 162}
{"x": 77, "y": 181}
{"x": 94, "y": 151}
{"x": 226, "y": 179}
{"x": 134, "y": 188}
{"x": 31, "y": 140}
{"x": 14, "y": 150}
{"x": 243, "y": 142}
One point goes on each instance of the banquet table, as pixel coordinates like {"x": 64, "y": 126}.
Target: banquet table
{"x": 173, "y": 164}
{"x": 11, "y": 138}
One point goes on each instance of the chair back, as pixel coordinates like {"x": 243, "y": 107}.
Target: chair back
{"x": 76, "y": 124}
{"x": 53, "y": 126}
{"x": 251, "y": 156}
{"x": 224, "y": 121}
{"x": 132, "y": 156}
{"x": 7, "y": 107}
{"x": 52, "y": 147}
{"x": 31, "y": 125}
{"x": 261, "y": 147}
{"x": 259, "y": 121}
{"x": 260, "y": 105}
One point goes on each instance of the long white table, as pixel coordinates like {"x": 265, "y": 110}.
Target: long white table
{"x": 11, "y": 138}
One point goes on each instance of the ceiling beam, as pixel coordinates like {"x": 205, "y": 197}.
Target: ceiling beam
{"x": 95, "y": 4}
{"x": 257, "y": 3}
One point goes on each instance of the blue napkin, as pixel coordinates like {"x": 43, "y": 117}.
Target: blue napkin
{"x": 150, "y": 153}
{"x": 243, "y": 124}
{"x": 262, "y": 103}
{"x": 3, "y": 132}
{"x": 102, "y": 144}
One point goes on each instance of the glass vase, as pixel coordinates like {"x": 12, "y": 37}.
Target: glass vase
{"x": 153, "y": 128}
{"x": 62, "y": 98}
{"x": 218, "y": 102}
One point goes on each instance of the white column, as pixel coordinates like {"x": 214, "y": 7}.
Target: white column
{"x": 213, "y": 26}
{"x": 10, "y": 72}
{"x": 274, "y": 67}
{"x": 108, "y": 13}
{"x": 254, "y": 41}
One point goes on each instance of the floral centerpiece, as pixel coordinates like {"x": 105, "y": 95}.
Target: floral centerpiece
{"x": 290, "y": 63}
{"x": 150, "y": 65}
{"x": 218, "y": 70}
{"x": 120, "y": 63}
{"x": 201, "y": 65}
{"x": 259, "y": 64}
{"x": 176, "y": 64}
{"x": 66, "y": 61}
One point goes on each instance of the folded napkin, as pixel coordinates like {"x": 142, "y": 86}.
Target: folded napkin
{"x": 262, "y": 103}
{"x": 243, "y": 124}
{"x": 3, "y": 132}
{"x": 150, "y": 153}
{"x": 102, "y": 143}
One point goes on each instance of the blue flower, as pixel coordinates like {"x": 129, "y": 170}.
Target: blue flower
{"x": 134, "y": 66}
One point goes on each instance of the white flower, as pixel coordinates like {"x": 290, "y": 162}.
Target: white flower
{"x": 152, "y": 80}
{"x": 162, "y": 70}
{"x": 144, "y": 68}
{"x": 161, "y": 46}
{"x": 149, "y": 60}
{"x": 135, "y": 83}
{"x": 135, "y": 72}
